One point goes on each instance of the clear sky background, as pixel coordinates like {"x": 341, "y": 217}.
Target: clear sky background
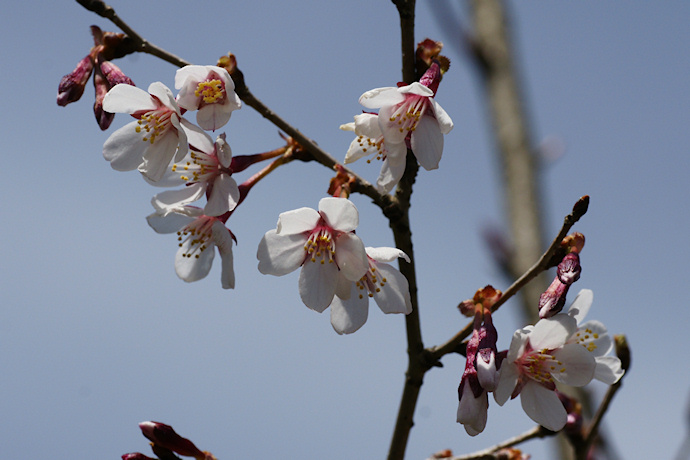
{"x": 97, "y": 333}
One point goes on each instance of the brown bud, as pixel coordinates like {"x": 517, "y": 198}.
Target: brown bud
{"x": 164, "y": 436}
{"x": 72, "y": 85}
{"x": 622, "y": 351}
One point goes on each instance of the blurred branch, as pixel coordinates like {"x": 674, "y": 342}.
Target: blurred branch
{"x": 487, "y": 454}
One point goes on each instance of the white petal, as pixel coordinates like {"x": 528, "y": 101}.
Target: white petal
{"x": 317, "y": 282}
{"x": 159, "y": 155}
{"x": 472, "y": 412}
{"x": 223, "y": 151}
{"x": 552, "y": 333}
{"x": 394, "y": 296}
{"x": 378, "y": 97}
{"x": 349, "y": 315}
{"x": 417, "y": 89}
{"x": 427, "y": 143}
{"x": 171, "y": 199}
{"x": 125, "y": 148}
{"x": 191, "y": 269}
{"x": 297, "y": 221}
{"x": 367, "y": 125}
{"x": 193, "y": 73}
{"x": 223, "y": 241}
{"x": 357, "y": 151}
{"x": 581, "y": 305}
{"x": 224, "y": 196}
{"x": 608, "y": 369}
{"x": 168, "y": 224}
{"x": 196, "y": 136}
{"x": 124, "y": 98}
{"x": 577, "y": 368}
{"x": 390, "y": 129}
{"x": 339, "y": 213}
{"x": 385, "y": 254}
{"x": 507, "y": 380}
{"x": 543, "y": 406}
{"x": 443, "y": 119}
{"x": 350, "y": 256}
{"x": 280, "y": 254}
{"x": 213, "y": 116}
{"x": 164, "y": 95}
{"x": 594, "y": 337}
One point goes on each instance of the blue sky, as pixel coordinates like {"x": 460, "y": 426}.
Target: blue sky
{"x": 97, "y": 333}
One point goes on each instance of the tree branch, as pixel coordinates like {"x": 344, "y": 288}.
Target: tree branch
{"x": 487, "y": 454}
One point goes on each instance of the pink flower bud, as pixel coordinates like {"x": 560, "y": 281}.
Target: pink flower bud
{"x": 432, "y": 77}
{"x": 72, "y": 85}
{"x": 569, "y": 269}
{"x": 136, "y": 456}
{"x": 113, "y": 74}
{"x": 103, "y": 118}
{"x": 164, "y": 436}
{"x": 552, "y": 300}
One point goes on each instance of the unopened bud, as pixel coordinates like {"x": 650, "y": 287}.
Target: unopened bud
{"x": 136, "y": 456}
{"x": 432, "y": 77}
{"x": 103, "y": 118}
{"x": 113, "y": 74}
{"x": 622, "y": 351}
{"x": 164, "y": 436}
{"x": 569, "y": 269}
{"x": 511, "y": 453}
{"x": 573, "y": 242}
{"x": 552, "y": 300}
{"x": 72, "y": 85}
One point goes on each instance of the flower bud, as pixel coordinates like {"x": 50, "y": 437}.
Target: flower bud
{"x": 164, "y": 436}
{"x": 569, "y": 269}
{"x": 103, "y": 118}
{"x": 72, "y": 85}
{"x": 552, "y": 300}
{"x": 432, "y": 77}
{"x": 113, "y": 74}
{"x": 136, "y": 456}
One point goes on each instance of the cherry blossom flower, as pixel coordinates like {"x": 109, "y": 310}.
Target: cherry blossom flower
{"x": 210, "y": 90}
{"x": 369, "y": 141}
{"x": 197, "y": 235}
{"x": 158, "y": 135}
{"x": 539, "y": 356}
{"x": 412, "y": 110}
{"x": 383, "y": 282}
{"x": 206, "y": 171}
{"x": 594, "y": 337}
{"x": 323, "y": 243}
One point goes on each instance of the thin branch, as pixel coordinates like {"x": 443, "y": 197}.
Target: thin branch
{"x": 487, "y": 454}
{"x": 545, "y": 261}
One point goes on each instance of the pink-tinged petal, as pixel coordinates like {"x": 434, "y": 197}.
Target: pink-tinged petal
{"x": 192, "y": 73}
{"x": 165, "y": 96}
{"x": 166, "y": 202}
{"x": 487, "y": 374}
{"x": 394, "y": 296}
{"x": 608, "y": 369}
{"x": 168, "y": 224}
{"x": 427, "y": 143}
{"x": 575, "y": 365}
{"x": 192, "y": 269}
{"x": 442, "y": 118}
{"x": 339, "y": 213}
{"x": 594, "y": 337}
{"x": 472, "y": 412}
{"x": 543, "y": 406}
{"x": 507, "y": 380}
{"x": 125, "y": 98}
{"x": 385, "y": 254}
{"x": 553, "y": 332}
{"x": 213, "y": 116}
{"x": 518, "y": 343}
{"x": 392, "y": 133}
{"x": 350, "y": 256}
{"x": 159, "y": 155}
{"x": 581, "y": 305}
{"x": 317, "y": 282}
{"x": 417, "y": 89}
{"x": 367, "y": 125}
{"x": 378, "y": 97}
{"x": 347, "y": 316}
{"x": 223, "y": 240}
{"x": 280, "y": 254}
{"x": 224, "y": 196}
{"x": 125, "y": 148}
{"x": 297, "y": 221}
{"x": 223, "y": 151}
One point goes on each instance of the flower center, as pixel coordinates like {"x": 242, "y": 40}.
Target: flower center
{"x": 197, "y": 233}
{"x": 201, "y": 168}
{"x": 211, "y": 91}
{"x": 154, "y": 122}
{"x": 371, "y": 282}
{"x": 373, "y": 146}
{"x": 409, "y": 112}
{"x": 320, "y": 245}
{"x": 539, "y": 365}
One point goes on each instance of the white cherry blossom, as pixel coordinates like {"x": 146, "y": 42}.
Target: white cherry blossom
{"x": 210, "y": 90}
{"x": 370, "y": 141}
{"x": 197, "y": 235}
{"x": 322, "y": 242}
{"x": 159, "y": 134}
{"x": 383, "y": 282}
{"x": 539, "y": 356}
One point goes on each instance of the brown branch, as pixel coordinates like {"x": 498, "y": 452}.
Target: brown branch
{"x": 487, "y": 454}
{"x": 546, "y": 261}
